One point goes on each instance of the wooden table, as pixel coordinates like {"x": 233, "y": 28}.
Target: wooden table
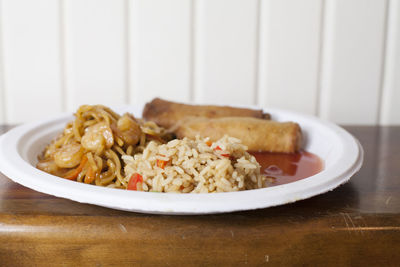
{"x": 355, "y": 224}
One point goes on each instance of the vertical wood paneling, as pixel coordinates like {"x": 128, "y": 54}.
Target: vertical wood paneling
{"x": 31, "y": 58}
{"x": 390, "y": 105}
{"x": 352, "y": 60}
{"x": 2, "y": 95}
{"x": 225, "y": 51}
{"x": 160, "y": 49}
{"x": 289, "y": 54}
{"x": 268, "y": 52}
{"x": 95, "y": 52}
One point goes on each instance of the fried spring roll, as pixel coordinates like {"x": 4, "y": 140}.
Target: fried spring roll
{"x": 167, "y": 113}
{"x": 256, "y": 134}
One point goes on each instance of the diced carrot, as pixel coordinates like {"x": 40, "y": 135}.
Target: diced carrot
{"x": 133, "y": 181}
{"x": 161, "y": 163}
{"x": 73, "y": 174}
{"x": 208, "y": 143}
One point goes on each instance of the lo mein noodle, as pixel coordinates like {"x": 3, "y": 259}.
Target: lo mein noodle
{"x": 90, "y": 148}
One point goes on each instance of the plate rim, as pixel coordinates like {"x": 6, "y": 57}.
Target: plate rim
{"x": 162, "y": 203}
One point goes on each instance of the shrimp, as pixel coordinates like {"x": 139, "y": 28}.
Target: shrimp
{"x": 97, "y": 137}
{"x": 128, "y": 129}
{"x": 48, "y": 165}
{"x": 68, "y": 156}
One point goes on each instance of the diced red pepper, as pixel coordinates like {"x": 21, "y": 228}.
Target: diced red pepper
{"x": 224, "y": 155}
{"x": 135, "y": 179}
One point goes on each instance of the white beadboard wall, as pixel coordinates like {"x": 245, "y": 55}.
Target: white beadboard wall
{"x": 352, "y": 60}
{"x": 30, "y": 59}
{"x": 159, "y": 49}
{"x": 336, "y": 59}
{"x": 94, "y": 52}
{"x": 290, "y": 44}
{"x": 225, "y": 51}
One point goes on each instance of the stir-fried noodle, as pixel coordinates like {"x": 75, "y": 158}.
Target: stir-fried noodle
{"x": 90, "y": 148}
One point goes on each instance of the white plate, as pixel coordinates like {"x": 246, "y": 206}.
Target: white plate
{"x": 341, "y": 152}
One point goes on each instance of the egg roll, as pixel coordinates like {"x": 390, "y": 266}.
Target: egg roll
{"x": 256, "y": 134}
{"x": 166, "y": 113}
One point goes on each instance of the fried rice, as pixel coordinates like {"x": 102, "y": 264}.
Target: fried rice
{"x": 194, "y": 166}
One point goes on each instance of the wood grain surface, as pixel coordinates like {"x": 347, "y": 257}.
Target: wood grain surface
{"x": 357, "y": 224}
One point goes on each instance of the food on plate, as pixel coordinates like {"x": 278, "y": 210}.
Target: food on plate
{"x": 256, "y": 134}
{"x": 167, "y": 113}
{"x": 193, "y": 166}
{"x": 89, "y": 149}
{"x": 101, "y": 147}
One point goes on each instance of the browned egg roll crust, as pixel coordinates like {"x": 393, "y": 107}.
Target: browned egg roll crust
{"x": 167, "y": 113}
{"x": 256, "y": 134}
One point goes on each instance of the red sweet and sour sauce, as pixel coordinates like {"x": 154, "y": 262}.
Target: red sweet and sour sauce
{"x": 283, "y": 168}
